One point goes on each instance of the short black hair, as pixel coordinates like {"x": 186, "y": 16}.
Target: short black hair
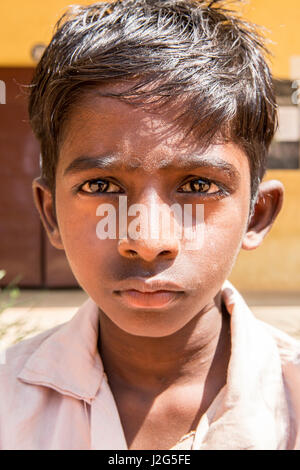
{"x": 194, "y": 53}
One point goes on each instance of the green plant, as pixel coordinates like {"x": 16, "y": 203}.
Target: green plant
{"x": 9, "y": 294}
{"x": 9, "y": 297}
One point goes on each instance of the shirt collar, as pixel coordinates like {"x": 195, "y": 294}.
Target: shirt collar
{"x": 68, "y": 360}
{"x": 255, "y": 391}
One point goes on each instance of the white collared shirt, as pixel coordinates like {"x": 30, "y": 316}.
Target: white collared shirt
{"x": 54, "y": 393}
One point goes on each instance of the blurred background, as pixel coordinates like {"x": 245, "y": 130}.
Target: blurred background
{"x": 38, "y": 288}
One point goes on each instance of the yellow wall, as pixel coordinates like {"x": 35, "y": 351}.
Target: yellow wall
{"x": 275, "y": 265}
{"x": 25, "y": 23}
{"x": 282, "y": 21}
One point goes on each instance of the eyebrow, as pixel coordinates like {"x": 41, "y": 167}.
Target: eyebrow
{"x": 114, "y": 162}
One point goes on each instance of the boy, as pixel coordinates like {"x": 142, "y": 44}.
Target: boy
{"x": 147, "y": 107}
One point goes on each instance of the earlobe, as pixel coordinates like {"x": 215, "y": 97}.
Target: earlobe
{"x": 45, "y": 205}
{"x": 268, "y": 205}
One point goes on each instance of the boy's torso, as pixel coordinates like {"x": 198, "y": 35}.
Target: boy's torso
{"x": 54, "y": 394}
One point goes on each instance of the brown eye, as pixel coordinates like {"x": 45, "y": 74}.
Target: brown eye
{"x": 198, "y": 186}
{"x": 99, "y": 186}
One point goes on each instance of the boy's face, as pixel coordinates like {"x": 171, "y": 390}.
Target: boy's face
{"x": 143, "y": 157}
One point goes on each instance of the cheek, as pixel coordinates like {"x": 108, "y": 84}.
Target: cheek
{"x": 224, "y": 236}
{"x": 227, "y": 225}
{"x": 224, "y": 228}
{"x": 86, "y": 253}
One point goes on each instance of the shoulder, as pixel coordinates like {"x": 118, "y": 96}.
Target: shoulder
{"x": 243, "y": 317}
{"x": 288, "y": 346}
{"x": 13, "y": 359}
{"x": 289, "y": 351}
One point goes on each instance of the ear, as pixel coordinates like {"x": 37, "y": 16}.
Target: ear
{"x": 267, "y": 207}
{"x": 45, "y": 205}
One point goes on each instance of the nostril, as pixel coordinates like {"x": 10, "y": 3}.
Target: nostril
{"x": 164, "y": 252}
{"x": 131, "y": 252}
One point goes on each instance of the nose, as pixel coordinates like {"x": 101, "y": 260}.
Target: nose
{"x": 149, "y": 250}
{"x": 156, "y": 237}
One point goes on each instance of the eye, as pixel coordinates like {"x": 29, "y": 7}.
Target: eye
{"x": 99, "y": 186}
{"x": 199, "y": 185}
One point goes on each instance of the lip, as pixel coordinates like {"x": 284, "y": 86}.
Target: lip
{"x": 148, "y": 286}
{"x": 158, "y": 299}
{"x": 154, "y": 294}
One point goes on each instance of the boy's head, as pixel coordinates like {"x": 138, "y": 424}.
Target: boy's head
{"x": 193, "y": 54}
{"x": 154, "y": 86}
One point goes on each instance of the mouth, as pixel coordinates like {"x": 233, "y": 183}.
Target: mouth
{"x": 137, "y": 293}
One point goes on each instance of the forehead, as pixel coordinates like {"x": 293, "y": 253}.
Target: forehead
{"x": 113, "y": 123}
{"x": 135, "y": 138}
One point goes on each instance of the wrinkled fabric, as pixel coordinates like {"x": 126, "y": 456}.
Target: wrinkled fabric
{"x": 54, "y": 392}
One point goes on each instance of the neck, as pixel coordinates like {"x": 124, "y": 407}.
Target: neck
{"x": 150, "y": 365}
